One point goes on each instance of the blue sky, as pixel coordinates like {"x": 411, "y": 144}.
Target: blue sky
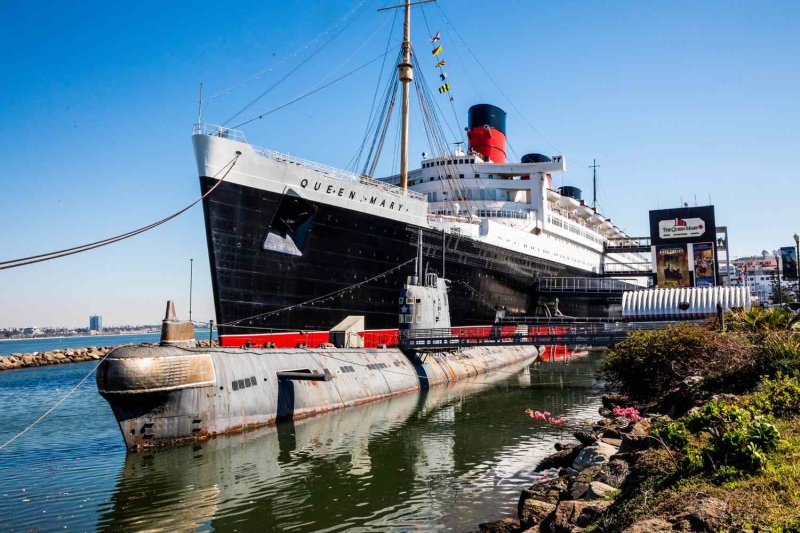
{"x": 674, "y": 99}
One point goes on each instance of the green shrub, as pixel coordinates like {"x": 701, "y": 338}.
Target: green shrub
{"x": 647, "y": 364}
{"x": 778, "y": 397}
{"x": 673, "y": 434}
{"x": 737, "y": 437}
{"x": 758, "y": 320}
{"x": 778, "y": 352}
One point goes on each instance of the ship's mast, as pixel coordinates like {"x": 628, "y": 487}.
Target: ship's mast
{"x": 406, "y": 77}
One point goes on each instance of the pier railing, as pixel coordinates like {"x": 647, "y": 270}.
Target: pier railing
{"x": 587, "y": 333}
{"x": 214, "y": 130}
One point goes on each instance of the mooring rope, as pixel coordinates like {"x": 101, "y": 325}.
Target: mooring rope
{"x": 23, "y": 261}
{"x": 55, "y": 405}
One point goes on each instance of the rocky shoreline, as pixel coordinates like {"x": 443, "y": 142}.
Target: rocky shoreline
{"x": 589, "y": 475}
{"x": 63, "y": 356}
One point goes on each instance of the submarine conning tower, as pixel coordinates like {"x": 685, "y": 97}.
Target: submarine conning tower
{"x": 486, "y": 131}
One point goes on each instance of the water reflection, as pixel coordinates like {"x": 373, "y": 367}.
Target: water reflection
{"x": 446, "y": 458}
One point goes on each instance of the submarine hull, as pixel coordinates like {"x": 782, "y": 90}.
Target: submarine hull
{"x": 167, "y": 395}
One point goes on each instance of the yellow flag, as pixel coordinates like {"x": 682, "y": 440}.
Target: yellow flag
{"x": 444, "y": 88}
{"x": 440, "y": 63}
{"x": 436, "y": 51}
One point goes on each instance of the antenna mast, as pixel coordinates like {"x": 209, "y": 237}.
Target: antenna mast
{"x": 594, "y": 183}
{"x": 200, "y": 107}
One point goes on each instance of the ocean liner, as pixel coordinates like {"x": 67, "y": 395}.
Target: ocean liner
{"x": 296, "y": 246}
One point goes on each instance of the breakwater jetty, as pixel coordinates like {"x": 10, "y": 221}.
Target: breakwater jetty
{"x": 64, "y": 356}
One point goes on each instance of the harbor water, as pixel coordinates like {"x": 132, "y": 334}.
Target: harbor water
{"x": 443, "y": 459}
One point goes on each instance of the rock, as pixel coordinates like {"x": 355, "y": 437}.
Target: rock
{"x": 562, "y": 446}
{"x": 589, "y": 473}
{"x": 585, "y": 438}
{"x": 578, "y": 489}
{"x": 533, "y": 512}
{"x": 595, "y": 454}
{"x": 569, "y": 514}
{"x": 614, "y": 399}
{"x": 599, "y": 491}
{"x": 611, "y": 433}
{"x": 636, "y": 436}
{"x": 704, "y": 514}
{"x": 613, "y": 442}
{"x": 652, "y": 525}
{"x": 567, "y": 472}
{"x": 547, "y": 491}
{"x": 505, "y": 525}
{"x": 614, "y": 473}
{"x": 562, "y": 458}
{"x": 604, "y": 412}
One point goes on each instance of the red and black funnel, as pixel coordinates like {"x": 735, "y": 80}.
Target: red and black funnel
{"x": 486, "y": 131}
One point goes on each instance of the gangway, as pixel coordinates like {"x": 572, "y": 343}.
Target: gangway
{"x": 585, "y": 285}
{"x": 627, "y": 245}
{"x": 589, "y": 333}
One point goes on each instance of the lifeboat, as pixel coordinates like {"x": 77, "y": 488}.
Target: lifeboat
{"x": 584, "y": 211}
{"x": 605, "y": 226}
{"x": 568, "y": 203}
{"x": 596, "y": 219}
{"x": 552, "y": 196}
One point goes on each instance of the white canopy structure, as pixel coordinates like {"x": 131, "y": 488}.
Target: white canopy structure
{"x": 682, "y": 303}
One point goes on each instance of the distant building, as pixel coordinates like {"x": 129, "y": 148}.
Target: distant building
{"x": 95, "y": 323}
{"x": 760, "y": 273}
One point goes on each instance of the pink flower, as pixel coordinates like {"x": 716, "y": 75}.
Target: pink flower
{"x": 546, "y": 413}
{"x": 628, "y": 412}
{"x": 555, "y": 421}
{"x": 536, "y": 415}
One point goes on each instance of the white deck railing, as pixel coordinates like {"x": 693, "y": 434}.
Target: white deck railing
{"x": 235, "y": 135}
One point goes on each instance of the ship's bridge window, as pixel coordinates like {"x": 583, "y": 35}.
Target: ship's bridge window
{"x": 477, "y": 176}
{"x": 461, "y": 176}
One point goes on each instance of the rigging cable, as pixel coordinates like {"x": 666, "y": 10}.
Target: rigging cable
{"x": 309, "y": 93}
{"x": 23, "y": 261}
{"x": 452, "y": 104}
{"x": 320, "y": 298}
{"x": 499, "y": 88}
{"x": 286, "y": 58}
{"x": 295, "y": 69}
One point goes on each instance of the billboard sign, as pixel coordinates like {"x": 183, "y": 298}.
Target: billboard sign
{"x": 683, "y": 225}
{"x": 704, "y": 268}
{"x": 681, "y": 228}
{"x": 789, "y": 262}
{"x": 672, "y": 266}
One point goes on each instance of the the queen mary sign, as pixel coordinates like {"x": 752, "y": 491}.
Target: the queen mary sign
{"x": 683, "y": 225}
{"x": 681, "y": 228}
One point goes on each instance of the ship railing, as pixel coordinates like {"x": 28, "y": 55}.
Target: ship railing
{"x": 333, "y": 172}
{"x": 214, "y": 130}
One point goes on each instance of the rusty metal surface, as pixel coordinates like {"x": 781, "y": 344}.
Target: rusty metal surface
{"x": 184, "y": 395}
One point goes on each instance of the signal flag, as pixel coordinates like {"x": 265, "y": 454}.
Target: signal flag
{"x": 436, "y": 51}
{"x": 440, "y": 64}
{"x": 444, "y": 88}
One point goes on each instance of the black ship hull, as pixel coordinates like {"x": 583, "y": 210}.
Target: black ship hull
{"x": 270, "y": 251}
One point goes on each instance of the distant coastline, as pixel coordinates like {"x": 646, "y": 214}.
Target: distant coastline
{"x": 91, "y": 336}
